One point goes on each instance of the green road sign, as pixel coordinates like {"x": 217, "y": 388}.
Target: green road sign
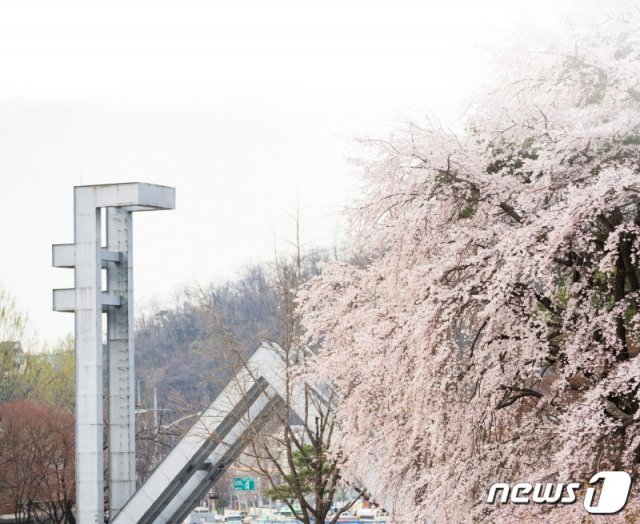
{"x": 244, "y": 483}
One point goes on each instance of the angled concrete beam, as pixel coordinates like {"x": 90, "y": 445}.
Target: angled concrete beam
{"x": 217, "y": 437}
{"x": 221, "y": 458}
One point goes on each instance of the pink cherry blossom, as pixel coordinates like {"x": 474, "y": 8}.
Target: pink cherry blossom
{"x": 490, "y": 330}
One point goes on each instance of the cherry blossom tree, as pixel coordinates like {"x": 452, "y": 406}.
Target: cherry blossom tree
{"x": 491, "y": 333}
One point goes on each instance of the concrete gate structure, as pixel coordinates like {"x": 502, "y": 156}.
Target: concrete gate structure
{"x": 88, "y": 257}
{"x": 221, "y": 431}
{"x": 218, "y": 436}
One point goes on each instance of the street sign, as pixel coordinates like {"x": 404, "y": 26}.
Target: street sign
{"x": 244, "y": 483}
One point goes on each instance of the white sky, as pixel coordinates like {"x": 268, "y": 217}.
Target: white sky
{"x": 244, "y": 107}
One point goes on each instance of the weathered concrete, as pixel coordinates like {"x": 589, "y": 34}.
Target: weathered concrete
{"x": 88, "y": 300}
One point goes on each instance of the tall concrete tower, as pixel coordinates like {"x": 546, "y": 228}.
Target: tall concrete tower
{"x": 88, "y": 256}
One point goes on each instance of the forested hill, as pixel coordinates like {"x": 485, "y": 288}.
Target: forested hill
{"x": 188, "y": 350}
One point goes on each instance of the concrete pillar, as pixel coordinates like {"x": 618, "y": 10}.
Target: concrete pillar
{"x": 88, "y": 334}
{"x": 122, "y": 435}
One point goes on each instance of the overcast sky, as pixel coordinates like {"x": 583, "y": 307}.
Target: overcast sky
{"x": 245, "y": 107}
